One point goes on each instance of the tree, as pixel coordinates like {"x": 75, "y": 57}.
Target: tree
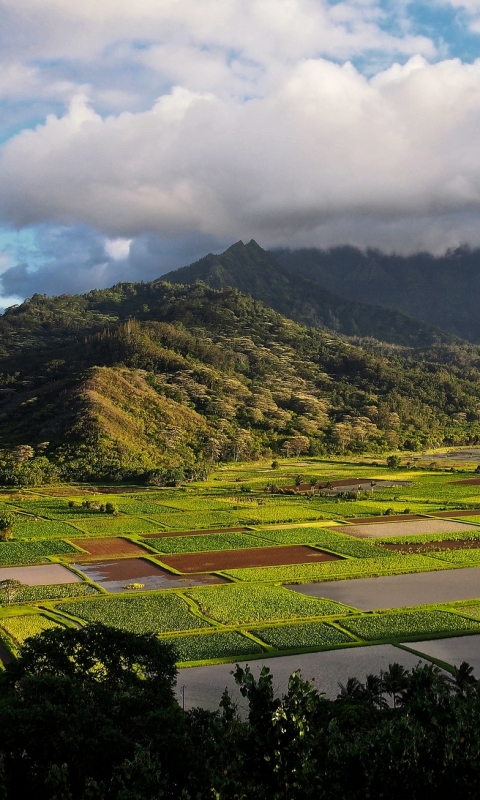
{"x": 393, "y": 461}
{"x": 9, "y": 589}
{"x": 111, "y": 508}
{"x": 80, "y": 705}
{"x": 6, "y": 525}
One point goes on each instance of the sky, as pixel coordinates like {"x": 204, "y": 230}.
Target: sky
{"x": 135, "y": 137}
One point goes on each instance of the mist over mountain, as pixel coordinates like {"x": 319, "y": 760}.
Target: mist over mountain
{"x": 299, "y": 294}
{"x": 443, "y": 291}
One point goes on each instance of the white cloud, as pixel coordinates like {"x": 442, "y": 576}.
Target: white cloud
{"x": 327, "y": 146}
{"x": 118, "y": 249}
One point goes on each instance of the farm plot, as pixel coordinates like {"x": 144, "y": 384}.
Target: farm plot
{"x": 32, "y": 552}
{"x": 338, "y": 542}
{"x": 55, "y": 591}
{"x": 118, "y": 576}
{"x": 199, "y": 544}
{"x": 310, "y": 634}
{"x": 205, "y": 647}
{"x": 433, "y": 547}
{"x": 159, "y": 613}
{"x": 237, "y": 559}
{"x": 413, "y": 623}
{"x": 190, "y": 520}
{"x": 281, "y": 512}
{"x": 108, "y": 547}
{"x": 25, "y": 625}
{"x": 472, "y": 610}
{"x": 397, "y": 591}
{"x": 463, "y": 537}
{"x": 412, "y": 528}
{"x": 340, "y": 569}
{"x": 41, "y": 575}
{"x": 210, "y": 531}
{"x": 54, "y": 509}
{"x": 34, "y": 528}
{"x": 468, "y": 557}
{"x": 110, "y": 525}
{"x": 240, "y": 605}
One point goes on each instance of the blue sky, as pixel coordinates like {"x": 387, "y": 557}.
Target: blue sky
{"x": 134, "y": 138}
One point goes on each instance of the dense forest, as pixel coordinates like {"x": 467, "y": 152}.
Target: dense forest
{"x": 91, "y": 714}
{"x": 156, "y": 381}
{"x": 441, "y": 290}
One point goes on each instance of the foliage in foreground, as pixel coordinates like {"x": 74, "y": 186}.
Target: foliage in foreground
{"x": 90, "y": 714}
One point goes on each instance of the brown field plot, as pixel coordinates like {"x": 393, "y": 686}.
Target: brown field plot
{"x": 237, "y": 559}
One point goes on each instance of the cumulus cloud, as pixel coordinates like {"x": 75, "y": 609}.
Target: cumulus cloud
{"x": 141, "y": 135}
{"x": 327, "y": 145}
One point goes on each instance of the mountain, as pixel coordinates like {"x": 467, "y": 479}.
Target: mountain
{"x": 443, "y": 291}
{"x": 143, "y": 377}
{"x": 297, "y": 294}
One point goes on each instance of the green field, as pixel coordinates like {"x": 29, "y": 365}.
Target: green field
{"x": 209, "y": 542}
{"x": 234, "y": 495}
{"x": 310, "y": 634}
{"x": 160, "y": 613}
{"x": 32, "y": 552}
{"x": 213, "y": 645}
{"x": 23, "y": 626}
{"x": 240, "y": 605}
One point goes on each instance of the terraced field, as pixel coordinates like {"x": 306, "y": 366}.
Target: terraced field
{"x": 202, "y": 564}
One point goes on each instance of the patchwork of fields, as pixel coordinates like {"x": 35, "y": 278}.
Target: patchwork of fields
{"x": 210, "y": 567}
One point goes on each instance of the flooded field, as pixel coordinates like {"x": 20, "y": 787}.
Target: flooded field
{"x": 115, "y": 576}
{"x": 369, "y": 594}
{"x": 407, "y": 528}
{"x": 453, "y": 651}
{"x": 237, "y": 559}
{"x": 204, "y": 685}
{"x": 43, "y": 575}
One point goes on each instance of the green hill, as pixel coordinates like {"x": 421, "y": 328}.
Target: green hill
{"x": 441, "y": 290}
{"x": 116, "y": 383}
{"x": 297, "y": 294}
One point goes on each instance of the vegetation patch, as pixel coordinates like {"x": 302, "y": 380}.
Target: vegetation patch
{"x": 347, "y": 568}
{"x": 23, "y": 626}
{"x": 112, "y": 525}
{"x": 310, "y": 634}
{"x": 31, "y": 528}
{"x": 414, "y": 623}
{"x": 32, "y": 552}
{"x": 461, "y": 557}
{"x": 159, "y": 613}
{"x": 240, "y": 605}
{"x": 213, "y": 645}
{"x": 190, "y": 520}
{"x": 55, "y": 591}
{"x": 209, "y": 542}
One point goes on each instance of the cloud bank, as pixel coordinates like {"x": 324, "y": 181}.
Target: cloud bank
{"x": 296, "y": 122}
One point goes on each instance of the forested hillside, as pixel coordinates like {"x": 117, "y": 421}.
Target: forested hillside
{"x": 442, "y": 291}
{"x": 301, "y": 297}
{"x": 142, "y": 377}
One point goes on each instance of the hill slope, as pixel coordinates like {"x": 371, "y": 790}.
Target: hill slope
{"x": 443, "y": 291}
{"x": 296, "y": 294}
{"x": 118, "y": 382}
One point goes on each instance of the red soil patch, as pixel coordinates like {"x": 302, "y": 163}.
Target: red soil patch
{"x": 194, "y": 533}
{"x": 108, "y": 547}
{"x": 468, "y": 482}
{"x": 386, "y": 518}
{"x": 475, "y": 512}
{"x": 132, "y": 569}
{"x": 238, "y": 559}
{"x": 428, "y": 547}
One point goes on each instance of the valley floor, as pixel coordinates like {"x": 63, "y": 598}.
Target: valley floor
{"x": 240, "y": 568}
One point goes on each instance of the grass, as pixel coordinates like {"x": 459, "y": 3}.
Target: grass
{"x": 336, "y": 570}
{"x": 214, "y": 645}
{"x": 207, "y": 543}
{"x": 32, "y": 552}
{"x": 404, "y": 625}
{"x": 23, "y": 626}
{"x": 160, "y": 613}
{"x": 310, "y": 634}
{"x": 242, "y": 605}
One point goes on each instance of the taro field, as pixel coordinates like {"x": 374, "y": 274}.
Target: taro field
{"x": 246, "y": 612}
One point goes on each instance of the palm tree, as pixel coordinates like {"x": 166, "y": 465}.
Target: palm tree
{"x": 352, "y": 690}
{"x": 395, "y": 681}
